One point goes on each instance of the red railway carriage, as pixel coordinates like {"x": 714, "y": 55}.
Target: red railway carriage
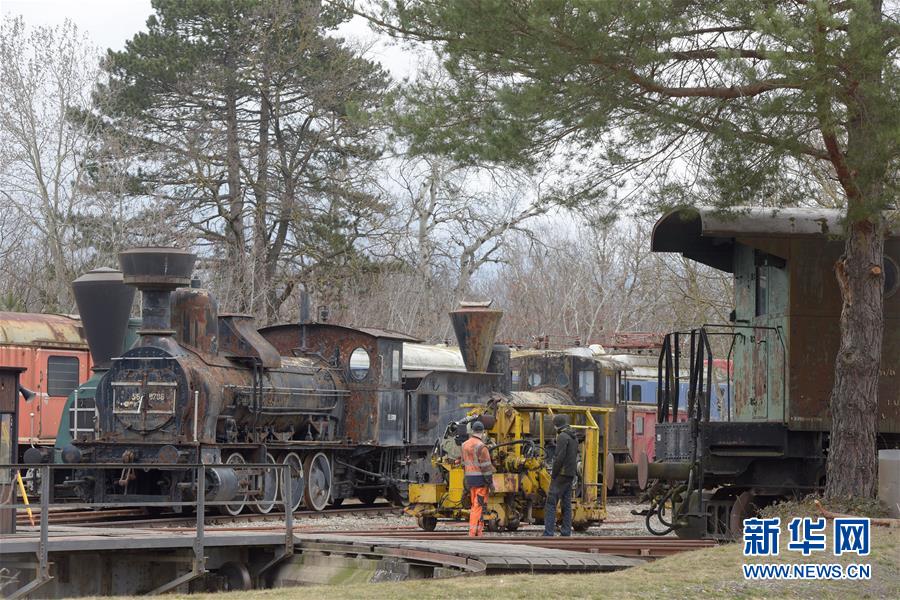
{"x": 642, "y": 429}
{"x": 55, "y": 353}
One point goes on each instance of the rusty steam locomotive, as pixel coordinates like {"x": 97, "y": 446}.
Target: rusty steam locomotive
{"x": 340, "y": 405}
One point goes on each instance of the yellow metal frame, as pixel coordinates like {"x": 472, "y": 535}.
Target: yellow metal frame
{"x": 448, "y": 500}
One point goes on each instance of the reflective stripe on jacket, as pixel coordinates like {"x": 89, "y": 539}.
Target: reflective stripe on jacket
{"x": 476, "y": 461}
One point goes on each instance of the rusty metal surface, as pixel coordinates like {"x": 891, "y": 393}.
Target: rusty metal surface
{"x": 476, "y": 328}
{"x": 335, "y": 344}
{"x": 163, "y": 268}
{"x": 47, "y": 410}
{"x": 294, "y": 329}
{"x": 239, "y": 338}
{"x": 195, "y": 315}
{"x": 784, "y": 359}
{"x": 815, "y": 337}
{"x": 49, "y": 331}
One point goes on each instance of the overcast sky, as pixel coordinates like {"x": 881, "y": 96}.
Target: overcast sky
{"x": 109, "y": 23}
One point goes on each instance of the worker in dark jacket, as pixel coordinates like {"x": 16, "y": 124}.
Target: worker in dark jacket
{"x": 565, "y": 464}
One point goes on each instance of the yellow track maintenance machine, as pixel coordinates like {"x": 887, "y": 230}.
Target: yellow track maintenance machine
{"x": 520, "y": 436}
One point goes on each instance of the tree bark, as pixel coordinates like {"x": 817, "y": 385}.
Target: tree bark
{"x": 852, "y": 455}
{"x": 862, "y": 172}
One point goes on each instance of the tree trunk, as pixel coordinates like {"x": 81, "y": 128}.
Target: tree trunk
{"x": 852, "y": 455}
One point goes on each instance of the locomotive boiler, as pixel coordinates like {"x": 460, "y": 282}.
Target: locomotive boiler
{"x": 337, "y": 404}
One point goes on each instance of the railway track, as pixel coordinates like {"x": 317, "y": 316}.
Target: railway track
{"x": 71, "y": 517}
{"x": 635, "y": 546}
{"x": 127, "y": 517}
{"x": 632, "y": 546}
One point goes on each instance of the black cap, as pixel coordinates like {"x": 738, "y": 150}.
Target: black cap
{"x": 477, "y": 427}
{"x": 560, "y": 421}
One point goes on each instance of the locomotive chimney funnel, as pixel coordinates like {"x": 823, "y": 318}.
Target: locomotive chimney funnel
{"x": 104, "y": 303}
{"x": 475, "y": 324}
{"x": 156, "y": 272}
{"x": 304, "y": 307}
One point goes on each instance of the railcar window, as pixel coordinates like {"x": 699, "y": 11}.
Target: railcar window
{"x": 395, "y": 366}
{"x": 562, "y": 380}
{"x": 609, "y": 390}
{"x": 515, "y": 377}
{"x": 891, "y": 277}
{"x": 635, "y": 393}
{"x": 586, "y": 382}
{"x": 62, "y": 375}
{"x": 639, "y": 425}
{"x": 359, "y": 364}
{"x": 534, "y": 379}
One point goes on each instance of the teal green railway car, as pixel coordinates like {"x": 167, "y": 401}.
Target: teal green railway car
{"x": 783, "y": 336}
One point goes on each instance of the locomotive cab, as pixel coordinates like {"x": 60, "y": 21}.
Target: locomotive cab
{"x": 586, "y": 375}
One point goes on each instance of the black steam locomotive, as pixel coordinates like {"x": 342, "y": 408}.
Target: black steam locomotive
{"x": 340, "y": 405}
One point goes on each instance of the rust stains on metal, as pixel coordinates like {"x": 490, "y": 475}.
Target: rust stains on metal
{"x": 335, "y": 344}
{"x": 195, "y": 319}
{"x": 31, "y": 329}
{"x": 238, "y": 338}
{"x": 475, "y": 325}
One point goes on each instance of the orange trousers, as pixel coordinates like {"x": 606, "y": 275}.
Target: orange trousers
{"x": 478, "y": 496}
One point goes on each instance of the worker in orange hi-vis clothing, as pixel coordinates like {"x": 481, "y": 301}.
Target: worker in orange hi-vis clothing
{"x": 476, "y": 460}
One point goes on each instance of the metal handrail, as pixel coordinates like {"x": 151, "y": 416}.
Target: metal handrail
{"x": 198, "y": 568}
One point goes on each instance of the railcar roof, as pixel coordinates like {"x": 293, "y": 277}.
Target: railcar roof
{"x": 428, "y": 357}
{"x": 581, "y": 351}
{"x": 372, "y": 331}
{"x": 35, "y": 329}
{"x": 707, "y": 235}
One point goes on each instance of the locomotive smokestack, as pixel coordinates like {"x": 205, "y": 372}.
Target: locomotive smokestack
{"x": 104, "y": 303}
{"x": 304, "y": 307}
{"x": 156, "y": 272}
{"x": 475, "y": 324}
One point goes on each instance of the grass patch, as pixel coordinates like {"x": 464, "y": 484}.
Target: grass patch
{"x": 712, "y": 572}
{"x": 860, "y": 507}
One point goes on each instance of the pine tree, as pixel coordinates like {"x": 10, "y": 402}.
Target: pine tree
{"x": 769, "y": 102}
{"x": 255, "y": 127}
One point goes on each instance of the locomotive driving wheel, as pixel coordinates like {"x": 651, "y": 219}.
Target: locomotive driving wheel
{"x": 237, "y": 505}
{"x": 298, "y": 482}
{"x": 267, "y": 484}
{"x": 318, "y": 481}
